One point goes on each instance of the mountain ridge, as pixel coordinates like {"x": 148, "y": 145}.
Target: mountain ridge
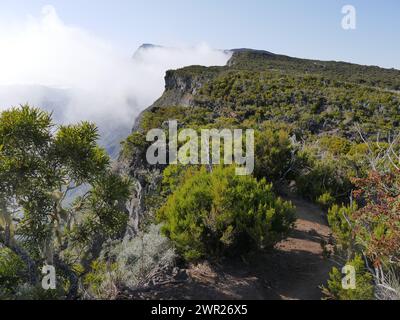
{"x": 180, "y": 84}
{"x": 313, "y": 97}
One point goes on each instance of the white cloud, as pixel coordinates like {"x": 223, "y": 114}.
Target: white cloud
{"x": 101, "y": 83}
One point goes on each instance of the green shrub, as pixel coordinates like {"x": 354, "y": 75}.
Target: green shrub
{"x": 215, "y": 214}
{"x": 326, "y": 200}
{"x": 13, "y": 285}
{"x": 325, "y": 175}
{"x": 101, "y": 282}
{"x": 11, "y": 271}
{"x": 136, "y": 140}
{"x": 273, "y": 154}
{"x": 341, "y": 222}
{"x": 335, "y": 145}
{"x": 173, "y": 176}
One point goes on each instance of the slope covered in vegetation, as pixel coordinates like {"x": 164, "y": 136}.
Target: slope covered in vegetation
{"x": 324, "y": 131}
{"x": 318, "y": 126}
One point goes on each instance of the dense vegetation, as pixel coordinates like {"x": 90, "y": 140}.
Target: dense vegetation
{"x": 325, "y": 131}
{"x": 364, "y": 75}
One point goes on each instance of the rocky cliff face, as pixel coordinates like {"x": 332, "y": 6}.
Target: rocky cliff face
{"x": 181, "y": 86}
{"x": 146, "y": 180}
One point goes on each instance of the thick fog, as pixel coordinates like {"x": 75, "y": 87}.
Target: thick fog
{"x": 79, "y": 76}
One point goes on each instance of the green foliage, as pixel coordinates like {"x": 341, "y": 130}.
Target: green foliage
{"x": 274, "y": 154}
{"x": 102, "y": 209}
{"x": 100, "y": 281}
{"x": 313, "y": 104}
{"x": 364, "y": 285}
{"x": 25, "y": 135}
{"x": 39, "y": 169}
{"x": 323, "y": 178}
{"x": 215, "y": 214}
{"x": 27, "y": 291}
{"x": 331, "y": 70}
{"x": 207, "y": 214}
{"x": 76, "y": 148}
{"x": 156, "y": 118}
{"x": 335, "y": 145}
{"x": 13, "y": 281}
{"x": 326, "y": 200}
{"x": 174, "y": 176}
{"x": 340, "y": 220}
{"x": 321, "y": 106}
{"x": 11, "y": 272}
{"x": 24, "y": 127}
{"x": 136, "y": 140}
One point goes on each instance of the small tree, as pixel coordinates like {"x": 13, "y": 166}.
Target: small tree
{"x": 40, "y": 165}
{"x": 275, "y": 155}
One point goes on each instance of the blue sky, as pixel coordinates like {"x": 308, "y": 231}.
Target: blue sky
{"x": 303, "y": 28}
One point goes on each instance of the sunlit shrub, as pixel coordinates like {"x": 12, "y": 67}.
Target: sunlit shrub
{"x": 217, "y": 213}
{"x": 364, "y": 289}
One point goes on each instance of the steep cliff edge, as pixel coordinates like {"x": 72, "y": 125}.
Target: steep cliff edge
{"x": 307, "y": 116}
{"x": 182, "y": 85}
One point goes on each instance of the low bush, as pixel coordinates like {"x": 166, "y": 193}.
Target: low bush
{"x": 323, "y": 177}
{"x": 274, "y": 154}
{"x": 215, "y": 214}
{"x": 364, "y": 289}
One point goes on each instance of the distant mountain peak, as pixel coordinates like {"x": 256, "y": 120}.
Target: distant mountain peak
{"x": 143, "y": 48}
{"x": 149, "y": 46}
{"x": 241, "y": 50}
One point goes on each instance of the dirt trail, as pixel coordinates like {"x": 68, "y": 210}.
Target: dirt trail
{"x": 304, "y": 268}
{"x": 293, "y": 271}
